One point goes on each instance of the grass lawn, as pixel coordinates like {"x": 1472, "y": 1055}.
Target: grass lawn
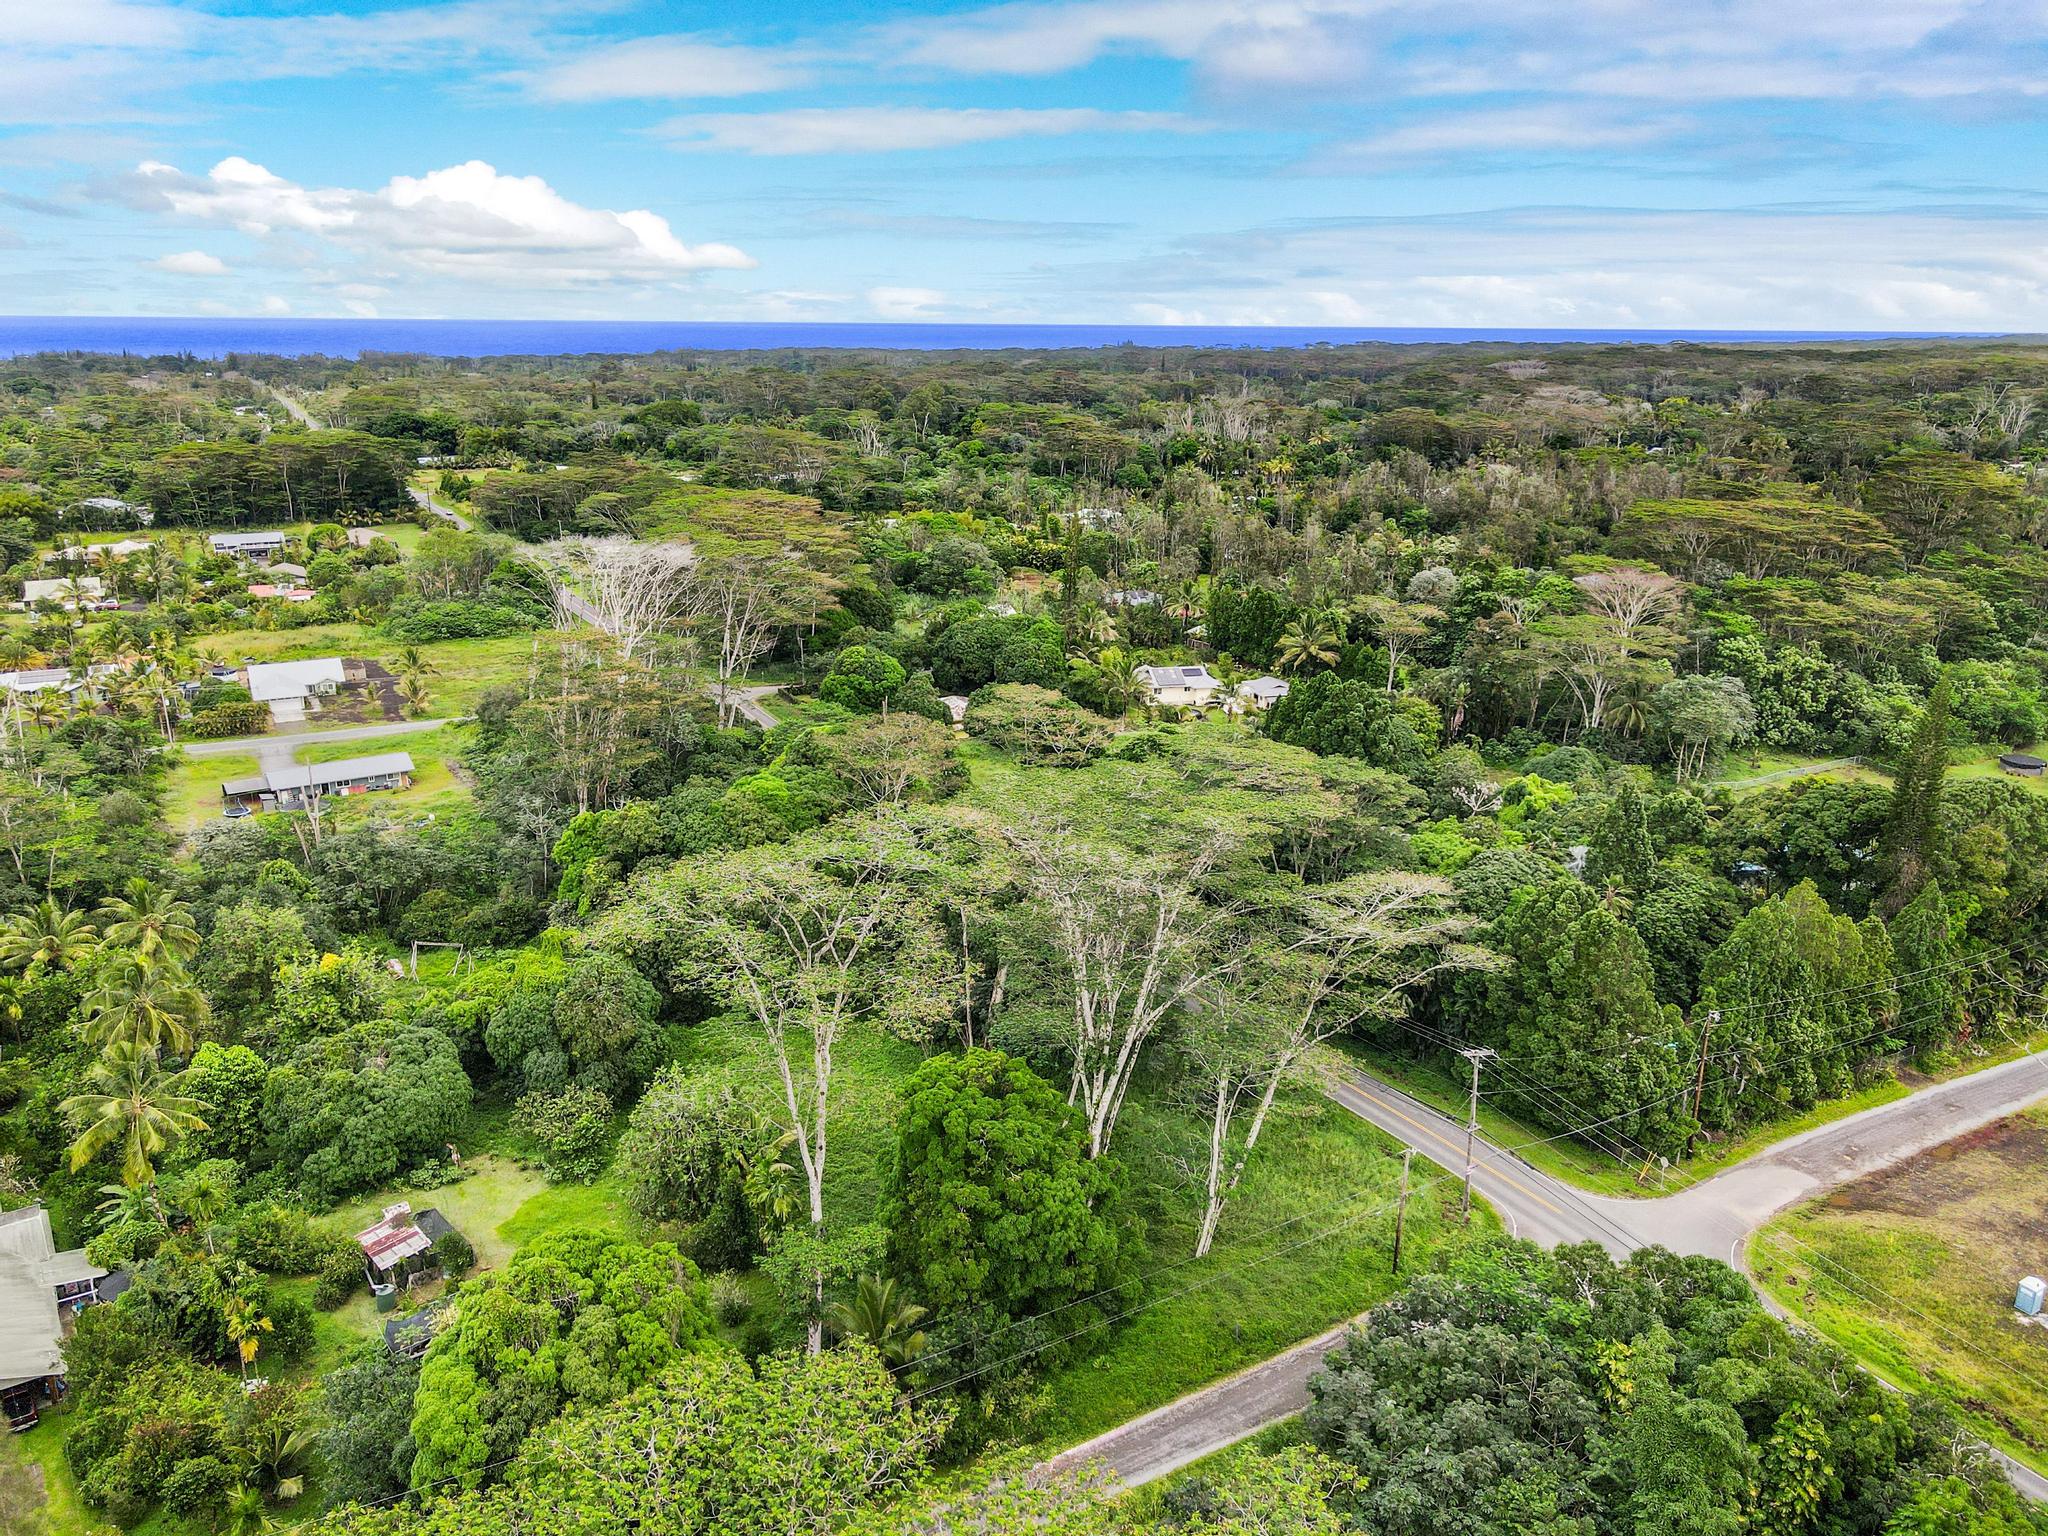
{"x": 1913, "y": 1270}
{"x": 1305, "y": 1244}
{"x": 192, "y": 786}
{"x": 463, "y": 669}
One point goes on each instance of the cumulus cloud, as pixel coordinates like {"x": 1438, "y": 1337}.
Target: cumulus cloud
{"x": 191, "y": 264}
{"x": 467, "y": 221}
{"x": 655, "y": 68}
{"x": 867, "y": 130}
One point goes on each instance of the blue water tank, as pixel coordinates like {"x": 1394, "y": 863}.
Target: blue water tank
{"x": 2032, "y": 1295}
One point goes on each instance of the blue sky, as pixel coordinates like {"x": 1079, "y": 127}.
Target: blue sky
{"x": 1881, "y": 165}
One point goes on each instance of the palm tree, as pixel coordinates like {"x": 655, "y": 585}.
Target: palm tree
{"x": 1311, "y": 640}
{"x": 413, "y": 662}
{"x": 246, "y": 1326}
{"x": 46, "y": 938}
{"x": 280, "y": 1450}
{"x": 145, "y": 1006}
{"x": 245, "y": 1514}
{"x": 132, "y": 1103}
{"x": 128, "y": 1205}
{"x": 769, "y": 1180}
{"x": 881, "y": 1314}
{"x": 150, "y": 921}
{"x": 414, "y": 691}
{"x": 1628, "y": 712}
{"x": 46, "y": 709}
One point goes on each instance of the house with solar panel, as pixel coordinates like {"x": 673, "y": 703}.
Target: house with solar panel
{"x": 1190, "y": 687}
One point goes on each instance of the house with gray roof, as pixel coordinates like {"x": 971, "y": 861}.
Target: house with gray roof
{"x": 293, "y": 786}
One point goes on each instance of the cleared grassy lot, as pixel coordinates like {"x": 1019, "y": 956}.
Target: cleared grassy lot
{"x": 1913, "y": 1270}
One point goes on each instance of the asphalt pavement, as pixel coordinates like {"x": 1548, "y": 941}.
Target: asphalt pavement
{"x": 1713, "y": 1217}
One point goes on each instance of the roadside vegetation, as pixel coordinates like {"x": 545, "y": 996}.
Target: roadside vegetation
{"x": 834, "y": 1116}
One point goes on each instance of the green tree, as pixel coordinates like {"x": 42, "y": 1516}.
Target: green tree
{"x": 1578, "y": 1013}
{"x": 1795, "y": 995}
{"x": 1621, "y": 853}
{"x": 150, "y": 923}
{"x": 990, "y": 1196}
{"x": 1925, "y": 962}
{"x": 862, "y": 678}
{"x": 1912, "y": 831}
{"x": 576, "y": 1319}
{"x": 880, "y": 1316}
{"x": 47, "y": 938}
{"x": 131, "y": 1103}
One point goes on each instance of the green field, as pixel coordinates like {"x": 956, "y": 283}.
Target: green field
{"x": 1913, "y": 1271}
{"x": 192, "y": 787}
{"x": 463, "y": 669}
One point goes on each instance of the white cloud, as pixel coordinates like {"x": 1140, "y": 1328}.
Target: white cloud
{"x": 906, "y": 303}
{"x": 275, "y": 304}
{"x": 466, "y": 221}
{"x": 1516, "y": 131}
{"x": 867, "y": 130}
{"x": 667, "y": 68}
{"x": 191, "y": 264}
{"x": 1741, "y": 269}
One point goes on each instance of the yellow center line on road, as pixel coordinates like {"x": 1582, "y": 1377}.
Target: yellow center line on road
{"x": 1479, "y": 1169}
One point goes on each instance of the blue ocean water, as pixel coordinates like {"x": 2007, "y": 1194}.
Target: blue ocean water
{"x": 154, "y": 336}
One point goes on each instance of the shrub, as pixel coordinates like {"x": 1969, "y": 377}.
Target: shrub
{"x": 730, "y": 1302}
{"x": 417, "y": 623}
{"x": 198, "y": 1485}
{"x": 453, "y": 1254}
{"x": 571, "y": 1128}
{"x": 277, "y": 1240}
{"x": 340, "y": 1272}
{"x": 225, "y": 720}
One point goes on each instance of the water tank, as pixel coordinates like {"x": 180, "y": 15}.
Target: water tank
{"x": 2032, "y": 1295}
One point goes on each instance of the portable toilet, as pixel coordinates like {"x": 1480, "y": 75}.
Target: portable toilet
{"x": 2033, "y": 1294}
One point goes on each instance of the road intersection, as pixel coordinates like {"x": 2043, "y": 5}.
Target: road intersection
{"x": 1713, "y": 1217}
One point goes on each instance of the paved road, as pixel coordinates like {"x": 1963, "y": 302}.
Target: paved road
{"x": 279, "y": 750}
{"x": 439, "y": 509}
{"x": 296, "y": 411}
{"x": 1712, "y": 1218}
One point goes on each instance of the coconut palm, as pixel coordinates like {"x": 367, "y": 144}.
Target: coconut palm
{"x": 46, "y": 938}
{"x": 47, "y": 710}
{"x": 145, "y": 1006}
{"x": 150, "y": 921}
{"x": 246, "y": 1325}
{"x": 881, "y": 1314}
{"x": 414, "y": 691}
{"x": 132, "y": 1103}
{"x": 1310, "y": 641}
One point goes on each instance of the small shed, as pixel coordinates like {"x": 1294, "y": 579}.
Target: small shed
{"x": 401, "y": 1244}
{"x": 2023, "y": 764}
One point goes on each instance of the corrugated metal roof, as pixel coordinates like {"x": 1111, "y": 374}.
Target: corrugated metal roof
{"x": 394, "y": 1239}
{"x": 269, "y": 680}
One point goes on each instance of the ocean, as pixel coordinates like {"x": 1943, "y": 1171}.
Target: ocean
{"x": 155, "y": 336}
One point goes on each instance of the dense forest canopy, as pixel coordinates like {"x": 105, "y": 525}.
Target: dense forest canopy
{"x": 892, "y": 847}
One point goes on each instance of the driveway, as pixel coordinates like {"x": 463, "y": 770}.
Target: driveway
{"x": 1713, "y": 1217}
{"x": 280, "y": 751}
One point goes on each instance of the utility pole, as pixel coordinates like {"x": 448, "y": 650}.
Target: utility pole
{"x": 1477, "y": 1055}
{"x": 1699, "y": 1086}
{"x": 1401, "y": 1214}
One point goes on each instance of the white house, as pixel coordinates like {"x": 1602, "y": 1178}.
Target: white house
{"x": 294, "y": 688}
{"x": 956, "y": 706}
{"x": 1179, "y": 687}
{"x": 246, "y": 546}
{"x": 37, "y": 1285}
{"x": 1262, "y": 692}
{"x": 1135, "y": 597}
{"x": 67, "y": 590}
